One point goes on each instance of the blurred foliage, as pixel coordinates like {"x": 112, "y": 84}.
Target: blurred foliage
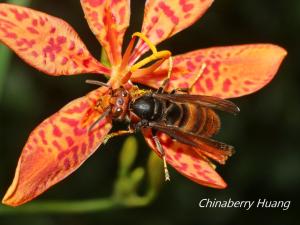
{"x": 265, "y": 134}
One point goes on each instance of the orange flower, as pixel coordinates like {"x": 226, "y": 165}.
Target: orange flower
{"x": 62, "y": 142}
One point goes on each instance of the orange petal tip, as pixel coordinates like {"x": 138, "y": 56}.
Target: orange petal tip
{"x": 10, "y": 198}
{"x": 274, "y": 56}
{"x": 279, "y": 52}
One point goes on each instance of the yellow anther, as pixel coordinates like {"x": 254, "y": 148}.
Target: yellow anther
{"x": 145, "y": 39}
{"x": 158, "y": 55}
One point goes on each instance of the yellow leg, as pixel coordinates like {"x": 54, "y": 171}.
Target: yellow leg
{"x": 117, "y": 133}
{"x": 198, "y": 75}
{"x": 161, "y": 150}
{"x": 167, "y": 175}
{"x": 170, "y": 67}
{"x": 166, "y": 81}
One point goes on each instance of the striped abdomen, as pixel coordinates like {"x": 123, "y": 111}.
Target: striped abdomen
{"x": 193, "y": 118}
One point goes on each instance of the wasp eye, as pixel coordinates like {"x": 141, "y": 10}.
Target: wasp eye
{"x": 118, "y": 112}
{"x": 120, "y": 101}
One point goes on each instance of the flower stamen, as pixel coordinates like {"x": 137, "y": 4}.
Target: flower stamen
{"x": 155, "y": 54}
{"x": 159, "y": 55}
{"x": 146, "y": 40}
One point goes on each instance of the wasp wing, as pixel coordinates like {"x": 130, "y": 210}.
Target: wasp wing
{"x": 202, "y": 100}
{"x": 213, "y": 149}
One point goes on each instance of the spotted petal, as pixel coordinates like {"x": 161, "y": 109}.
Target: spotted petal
{"x": 163, "y": 19}
{"x": 229, "y": 72}
{"x": 186, "y": 161}
{"x": 56, "y": 148}
{"x": 47, "y": 43}
{"x": 108, "y": 19}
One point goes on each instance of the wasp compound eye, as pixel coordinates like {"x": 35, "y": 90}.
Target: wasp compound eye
{"x": 120, "y": 101}
{"x": 118, "y": 112}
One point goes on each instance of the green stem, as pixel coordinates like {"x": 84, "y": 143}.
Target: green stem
{"x": 140, "y": 201}
{"x": 78, "y": 207}
{"x": 6, "y": 54}
{"x": 62, "y": 207}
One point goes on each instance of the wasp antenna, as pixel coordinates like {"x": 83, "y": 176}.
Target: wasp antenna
{"x": 105, "y": 113}
{"x": 96, "y": 82}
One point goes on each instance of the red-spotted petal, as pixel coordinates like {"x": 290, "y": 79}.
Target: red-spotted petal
{"x": 229, "y": 72}
{"x": 47, "y": 43}
{"x": 56, "y": 148}
{"x": 186, "y": 161}
{"x": 108, "y": 19}
{"x": 163, "y": 19}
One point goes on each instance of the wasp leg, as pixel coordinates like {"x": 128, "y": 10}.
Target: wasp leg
{"x": 187, "y": 90}
{"x": 167, "y": 80}
{"x": 118, "y": 133}
{"x": 145, "y": 123}
{"x": 161, "y": 150}
{"x": 198, "y": 75}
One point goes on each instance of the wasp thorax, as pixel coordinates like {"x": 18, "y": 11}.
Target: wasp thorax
{"x": 147, "y": 107}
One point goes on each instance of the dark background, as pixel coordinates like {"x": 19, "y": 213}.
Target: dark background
{"x": 265, "y": 134}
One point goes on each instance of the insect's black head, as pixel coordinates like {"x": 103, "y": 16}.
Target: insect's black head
{"x": 143, "y": 107}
